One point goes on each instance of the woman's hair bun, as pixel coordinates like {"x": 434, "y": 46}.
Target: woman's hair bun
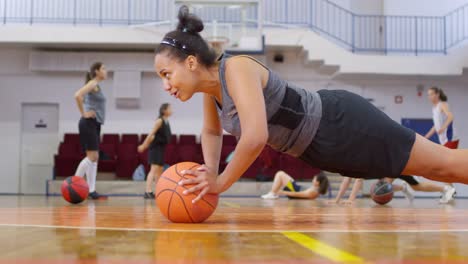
{"x": 189, "y": 22}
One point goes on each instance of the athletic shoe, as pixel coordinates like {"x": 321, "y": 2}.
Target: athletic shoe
{"x": 270, "y": 196}
{"x": 149, "y": 195}
{"x": 447, "y": 195}
{"x": 407, "y": 192}
{"x": 96, "y": 196}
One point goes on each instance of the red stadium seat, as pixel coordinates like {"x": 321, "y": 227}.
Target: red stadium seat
{"x": 187, "y": 140}
{"x": 108, "y": 162}
{"x": 292, "y": 166}
{"x": 127, "y": 150}
{"x": 127, "y": 160}
{"x": 111, "y": 139}
{"x": 173, "y": 140}
{"x": 171, "y": 156}
{"x": 199, "y": 154}
{"x": 254, "y": 170}
{"x": 309, "y": 172}
{"x": 187, "y": 152}
{"x": 229, "y": 140}
{"x": 130, "y": 139}
{"x": 71, "y": 139}
{"x": 270, "y": 159}
{"x": 142, "y": 138}
{"x": 67, "y": 159}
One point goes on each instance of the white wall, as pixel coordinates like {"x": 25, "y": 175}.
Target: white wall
{"x": 401, "y": 7}
{"x": 367, "y": 7}
{"x": 361, "y": 7}
{"x": 421, "y": 7}
{"x": 346, "y": 4}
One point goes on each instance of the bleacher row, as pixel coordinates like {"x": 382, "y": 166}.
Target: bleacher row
{"x": 119, "y": 155}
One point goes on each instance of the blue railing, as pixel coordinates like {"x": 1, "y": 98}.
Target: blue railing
{"x": 358, "y": 33}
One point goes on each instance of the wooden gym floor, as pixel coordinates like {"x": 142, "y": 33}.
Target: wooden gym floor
{"x": 36, "y": 229}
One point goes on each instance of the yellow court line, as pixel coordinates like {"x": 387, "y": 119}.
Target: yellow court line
{"x": 232, "y": 205}
{"x": 323, "y": 249}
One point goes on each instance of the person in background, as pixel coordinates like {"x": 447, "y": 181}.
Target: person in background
{"x": 283, "y": 184}
{"x": 447, "y": 192}
{"x": 343, "y": 187}
{"x": 91, "y": 103}
{"x": 443, "y": 119}
{"x": 156, "y": 141}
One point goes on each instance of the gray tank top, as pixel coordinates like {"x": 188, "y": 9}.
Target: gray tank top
{"x": 293, "y": 113}
{"x": 97, "y": 102}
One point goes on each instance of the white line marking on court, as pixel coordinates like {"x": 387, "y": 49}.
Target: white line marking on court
{"x": 235, "y": 231}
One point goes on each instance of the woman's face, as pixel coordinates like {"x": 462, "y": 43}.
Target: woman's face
{"x": 168, "y": 111}
{"x": 179, "y": 77}
{"x": 433, "y": 96}
{"x": 102, "y": 72}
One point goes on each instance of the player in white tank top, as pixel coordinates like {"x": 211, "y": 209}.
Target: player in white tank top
{"x": 443, "y": 120}
{"x": 441, "y": 115}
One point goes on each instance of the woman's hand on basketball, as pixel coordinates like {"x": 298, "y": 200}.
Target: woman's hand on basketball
{"x": 205, "y": 181}
{"x": 89, "y": 114}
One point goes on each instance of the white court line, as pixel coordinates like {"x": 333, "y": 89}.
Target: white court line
{"x": 237, "y": 231}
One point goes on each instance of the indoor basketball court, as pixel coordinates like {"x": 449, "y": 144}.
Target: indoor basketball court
{"x": 133, "y": 189}
{"x": 242, "y": 230}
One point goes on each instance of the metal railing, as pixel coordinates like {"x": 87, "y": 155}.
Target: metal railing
{"x": 358, "y": 33}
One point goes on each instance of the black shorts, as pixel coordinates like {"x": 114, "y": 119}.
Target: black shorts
{"x": 409, "y": 179}
{"x": 293, "y": 188}
{"x": 90, "y": 132}
{"x": 358, "y": 140}
{"x": 156, "y": 155}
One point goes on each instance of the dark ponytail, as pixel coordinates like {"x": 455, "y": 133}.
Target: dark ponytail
{"x": 92, "y": 71}
{"x": 186, "y": 40}
{"x": 442, "y": 96}
{"x": 324, "y": 184}
{"x": 189, "y": 23}
{"x": 163, "y": 109}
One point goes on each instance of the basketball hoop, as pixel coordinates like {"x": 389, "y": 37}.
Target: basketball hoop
{"x": 218, "y": 43}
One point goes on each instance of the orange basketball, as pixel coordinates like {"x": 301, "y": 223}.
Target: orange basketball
{"x": 74, "y": 189}
{"x": 382, "y": 192}
{"x": 178, "y": 207}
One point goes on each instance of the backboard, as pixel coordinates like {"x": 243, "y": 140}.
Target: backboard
{"x": 230, "y": 25}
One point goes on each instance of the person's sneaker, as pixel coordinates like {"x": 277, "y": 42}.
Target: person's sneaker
{"x": 448, "y": 194}
{"x": 96, "y": 196}
{"x": 407, "y": 192}
{"x": 270, "y": 195}
{"x": 149, "y": 195}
